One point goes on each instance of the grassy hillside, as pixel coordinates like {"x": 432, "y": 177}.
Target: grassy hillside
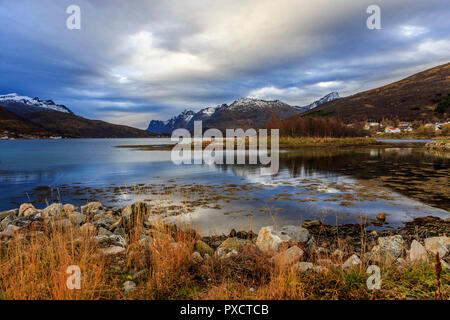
{"x": 18, "y": 125}
{"x": 423, "y": 96}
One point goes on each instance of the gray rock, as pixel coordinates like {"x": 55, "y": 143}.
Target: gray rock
{"x": 113, "y": 250}
{"x": 296, "y": 233}
{"x": 268, "y": 240}
{"x": 129, "y": 287}
{"x": 91, "y": 207}
{"x": 232, "y": 246}
{"x": 9, "y": 213}
{"x": 351, "y": 262}
{"x": 77, "y": 218}
{"x": 10, "y": 231}
{"x": 417, "y": 254}
{"x": 53, "y": 210}
{"x": 304, "y": 266}
{"x": 196, "y": 257}
{"x": 439, "y": 245}
{"x": 288, "y": 257}
{"x": 104, "y": 232}
{"x": 388, "y": 250}
{"x": 27, "y": 209}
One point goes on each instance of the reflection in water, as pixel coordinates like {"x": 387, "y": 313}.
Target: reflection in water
{"x": 331, "y": 184}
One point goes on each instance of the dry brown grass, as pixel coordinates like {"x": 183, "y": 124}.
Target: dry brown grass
{"x": 36, "y": 269}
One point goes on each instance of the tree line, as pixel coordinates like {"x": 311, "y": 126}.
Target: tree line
{"x": 298, "y": 126}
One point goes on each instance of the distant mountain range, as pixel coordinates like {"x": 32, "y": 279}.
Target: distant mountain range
{"x": 414, "y": 98}
{"x": 242, "y": 113}
{"x": 22, "y": 115}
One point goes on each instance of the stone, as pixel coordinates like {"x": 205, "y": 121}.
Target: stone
{"x": 52, "y": 210}
{"x": 288, "y": 257}
{"x": 69, "y": 208}
{"x": 388, "y": 249}
{"x": 203, "y": 248}
{"x": 113, "y": 250}
{"x": 296, "y": 233}
{"x": 320, "y": 269}
{"x": 76, "y": 218}
{"x": 88, "y": 228}
{"x": 10, "y": 231}
{"x": 196, "y": 257}
{"x": 304, "y": 266}
{"x": 105, "y": 221}
{"x": 9, "y": 213}
{"x": 232, "y": 246}
{"x": 381, "y": 217}
{"x": 26, "y": 209}
{"x": 91, "y": 207}
{"x": 418, "y": 253}
{"x": 104, "y": 232}
{"x": 268, "y": 240}
{"x": 6, "y": 221}
{"x": 351, "y": 262}
{"x": 135, "y": 214}
{"x": 439, "y": 245}
{"x": 129, "y": 286}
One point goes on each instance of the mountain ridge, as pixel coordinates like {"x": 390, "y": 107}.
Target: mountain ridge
{"x": 242, "y": 113}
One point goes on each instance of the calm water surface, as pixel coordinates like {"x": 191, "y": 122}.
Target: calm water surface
{"x": 333, "y": 185}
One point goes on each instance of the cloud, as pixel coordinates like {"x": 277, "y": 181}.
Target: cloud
{"x": 155, "y": 58}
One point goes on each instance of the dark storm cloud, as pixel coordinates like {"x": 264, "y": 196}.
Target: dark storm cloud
{"x": 135, "y": 61}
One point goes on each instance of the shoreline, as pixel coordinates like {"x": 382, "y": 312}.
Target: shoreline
{"x": 132, "y": 254}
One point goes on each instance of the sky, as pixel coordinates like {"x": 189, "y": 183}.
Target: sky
{"x": 140, "y": 60}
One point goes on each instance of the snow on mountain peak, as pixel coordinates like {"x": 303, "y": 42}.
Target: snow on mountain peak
{"x": 33, "y": 102}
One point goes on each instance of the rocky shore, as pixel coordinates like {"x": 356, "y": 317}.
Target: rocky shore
{"x": 439, "y": 145}
{"x": 312, "y": 247}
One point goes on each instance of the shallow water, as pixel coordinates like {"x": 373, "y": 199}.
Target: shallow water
{"x": 342, "y": 185}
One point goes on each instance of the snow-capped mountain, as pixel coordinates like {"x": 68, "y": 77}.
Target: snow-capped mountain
{"x": 328, "y": 98}
{"x": 22, "y": 104}
{"x": 180, "y": 121}
{"x": 242, "y": 113}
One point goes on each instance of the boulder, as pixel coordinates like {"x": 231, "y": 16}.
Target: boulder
{"x": 69, "y": 208}
{"x": 268, "y": 241}
{"x": 203, "y": 248}
{"x": 76, "y": 218}
{"x": 9, "y": 213}
{"x": 88, "y": 228}
{"x": 129, "y": 286}
{"x": 10, "y": 231}
{"x": 104, "y": 232}
{"x": 113, "y": 250}
{"x": 304, "y": 266}
{"x": 232, "y": 246}
{"x": 91, "y": 207}
{"x": 296, "y": 233}
{"x": 351, "y": 262}
{"x": 26, "y": 209}
{"x": 288, "y": 257}
{"x": 417, "y": 254}
{"x": 387, "y": 251}
{"x": 196, "y": 257}
{"x": 135, "y": 214}
{"x": 53, "y": 210}
{"x": 439, "y": 245}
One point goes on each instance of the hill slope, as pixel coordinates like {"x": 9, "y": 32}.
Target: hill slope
{"x": 70, "y": 125}
{"x": 413, "y": 98}
{"x": 15, "y": 124}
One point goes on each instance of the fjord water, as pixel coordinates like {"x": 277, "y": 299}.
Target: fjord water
{"x": 335, "y": 185}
